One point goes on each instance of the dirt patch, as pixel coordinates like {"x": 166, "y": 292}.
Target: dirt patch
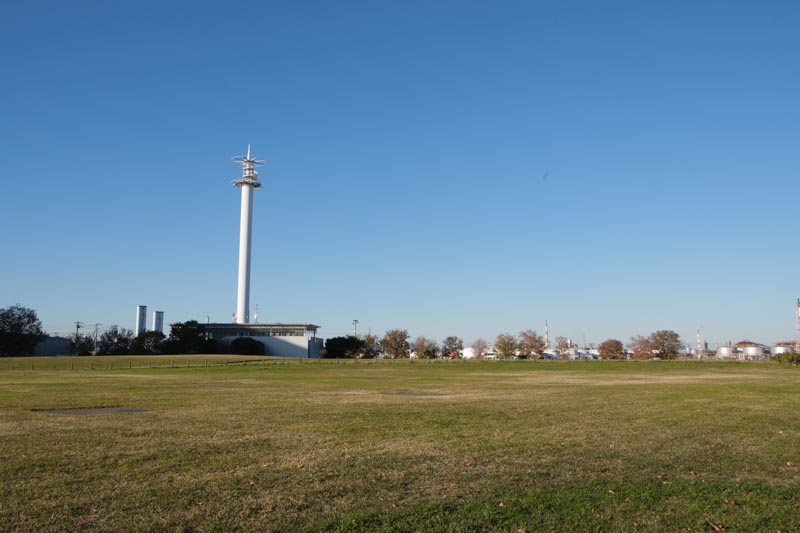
{"x": 93, "y": 411}
{"x": 417, "y": 393}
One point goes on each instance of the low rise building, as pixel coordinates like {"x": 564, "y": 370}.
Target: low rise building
{"x": 280, "y": 340}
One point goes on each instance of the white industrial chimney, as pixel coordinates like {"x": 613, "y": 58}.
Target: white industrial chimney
{"x": 158, "y": 321}
{"x": 141, "y": 319}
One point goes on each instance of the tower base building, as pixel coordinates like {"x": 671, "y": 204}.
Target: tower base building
{"x": 280, "y": 340}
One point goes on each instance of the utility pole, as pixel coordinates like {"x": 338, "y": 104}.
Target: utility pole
{"x": 78, "y": 326}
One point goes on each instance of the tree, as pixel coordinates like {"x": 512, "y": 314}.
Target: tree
{"x": 531, "y": 345}
{"x": 611, "y": 349}
{"x": 666, "y": 344}
{"x": 479, "y": 348}
{"x": 426, "y": 348}
{"x": 395, "y": 342}
{"x": 641, "y": 347}
{"x": 349, "y": 346}
{"x": 84, "y": 345}
{"x": 372, "y": 346}
{"x": 147, "y": 343}
{"x": 115, "y": 341}
{"x": 505, "y": 345}
{"x": 563, "y": 347}
{"x": 211, "y": 346}
{"x": 453, "y": 347}
{"x": 184, "y": 337}
{"x": 247, "y": 346}
{"x": 20, "y": 331}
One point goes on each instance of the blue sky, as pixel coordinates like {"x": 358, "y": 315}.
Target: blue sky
{"x": 452, "y": 168}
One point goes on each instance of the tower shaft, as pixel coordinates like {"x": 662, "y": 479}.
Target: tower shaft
{"x": 245, "y": 230}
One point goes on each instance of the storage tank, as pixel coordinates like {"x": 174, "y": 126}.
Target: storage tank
{"x": 725, "y": 352}
{"x": 777, "y": 350}
{"x": 752, "y": 352}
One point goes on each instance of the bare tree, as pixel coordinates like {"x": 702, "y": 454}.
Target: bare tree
{"x": 395, "y": 342}
{"x": 531, "y": 345}
{"x": 426, "y": 348}
{"x": 611, "y": 349}
{"x": 453, "y": 347}
{"x": 563, "y": 347}
{"x": 371, "y": 346}
{"x": 505, "y": 345}
{"x": 479, "y": 348}
{"x": 641, "y": 347}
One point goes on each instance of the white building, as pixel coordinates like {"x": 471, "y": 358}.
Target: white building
{"x": 280, "y": 340}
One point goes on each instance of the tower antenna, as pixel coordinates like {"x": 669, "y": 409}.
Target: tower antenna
{"x": 248, "y": 182}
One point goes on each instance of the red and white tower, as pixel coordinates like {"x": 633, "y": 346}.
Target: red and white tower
{"x": 699, "y": 352}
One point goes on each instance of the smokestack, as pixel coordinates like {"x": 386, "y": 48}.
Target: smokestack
{"x": 158, "y": 321}
{"x": 141, "y": 319}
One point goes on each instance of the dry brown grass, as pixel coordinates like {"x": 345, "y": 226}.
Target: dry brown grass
{"x": 286, "y": 446}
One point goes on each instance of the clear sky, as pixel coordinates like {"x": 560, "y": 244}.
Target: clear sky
{"x": 448, "y": 167}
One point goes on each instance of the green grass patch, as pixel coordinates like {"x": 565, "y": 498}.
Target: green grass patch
{"x": 377, "y": 445}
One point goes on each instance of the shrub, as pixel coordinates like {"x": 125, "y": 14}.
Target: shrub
{"x": 247, "y": 346}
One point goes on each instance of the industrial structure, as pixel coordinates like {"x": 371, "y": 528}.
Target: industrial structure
{"x": 141, "y": 320}
{"x": 158, "y": 321}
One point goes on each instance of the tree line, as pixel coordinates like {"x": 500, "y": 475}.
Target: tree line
{"x": 528, "y": 344}
{"x": 21, "y": 331}
{"x": 184, "y": 338}
{"x": 395, "y": 344}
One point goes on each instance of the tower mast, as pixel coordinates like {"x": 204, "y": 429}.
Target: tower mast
{"x": 248, "y": 182}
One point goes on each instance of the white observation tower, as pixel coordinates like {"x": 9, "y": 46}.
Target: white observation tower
{"x": 248, "y": 182}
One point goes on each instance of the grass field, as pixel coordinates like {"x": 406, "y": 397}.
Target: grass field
{"x": 437, "y": 446}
